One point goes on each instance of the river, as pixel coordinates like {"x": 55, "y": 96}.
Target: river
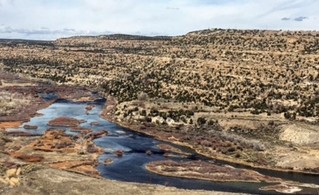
{"x": 130, "y": 167}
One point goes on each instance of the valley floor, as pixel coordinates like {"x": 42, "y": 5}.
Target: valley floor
{"x": 267, "y": 142}
{"x": 51, "y": 181}
{"x": 21, "y": 171}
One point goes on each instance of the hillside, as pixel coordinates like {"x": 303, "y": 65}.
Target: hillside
{"x": 258, "y": 71}
{"x": 240, "y": 95}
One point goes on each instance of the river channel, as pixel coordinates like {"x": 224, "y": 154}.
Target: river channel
{"x": 131, "y": 167}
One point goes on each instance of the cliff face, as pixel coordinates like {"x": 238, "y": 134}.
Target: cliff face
{"x": 256, "y": 71}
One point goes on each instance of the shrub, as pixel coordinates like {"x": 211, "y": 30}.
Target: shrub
{"x": 201, "y": 121}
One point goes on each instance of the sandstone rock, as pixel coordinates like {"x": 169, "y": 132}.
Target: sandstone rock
{"x": 14, "y": 181}
{"x": 3, "y": 181}
{"x": 11, "y": 173}
{"x": 18, "y": 172}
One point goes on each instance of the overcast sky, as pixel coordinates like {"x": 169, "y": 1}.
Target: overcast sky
{"x": 50, "y": 19}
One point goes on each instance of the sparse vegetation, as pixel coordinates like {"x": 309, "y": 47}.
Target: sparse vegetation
{"x": 227, "y": 93}
{"x": 232, "y": 70}
{"x": 11, "y": 103}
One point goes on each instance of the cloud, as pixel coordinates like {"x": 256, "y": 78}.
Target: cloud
{"x": 297, "y": 19}
{"x": 300, "y": 19}
{"x": 46, "y": 33}
{"x": 285, "y": 19}
{"x": 165, "y": 17}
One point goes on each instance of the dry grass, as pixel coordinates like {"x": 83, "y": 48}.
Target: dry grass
{"x": 12, "y": 102}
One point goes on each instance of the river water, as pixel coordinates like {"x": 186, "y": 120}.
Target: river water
{"x": 130, "y": 167}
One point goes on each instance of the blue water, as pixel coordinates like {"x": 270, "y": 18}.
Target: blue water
{"x": 130, "y": 167}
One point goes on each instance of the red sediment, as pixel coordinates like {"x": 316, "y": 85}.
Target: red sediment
{"x": 28, "y": 158}
{"x": 64, "y": 122}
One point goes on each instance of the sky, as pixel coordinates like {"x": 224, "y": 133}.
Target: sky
{"x": 51, "y": 19}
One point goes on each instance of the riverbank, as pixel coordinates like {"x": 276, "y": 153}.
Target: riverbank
{"x": 27, "y": 161}
{"x": 52, "y": 181}
{"x": 270, "y": 153}
{"x": 278, "y": 179}
{"x": 22, "y": 97}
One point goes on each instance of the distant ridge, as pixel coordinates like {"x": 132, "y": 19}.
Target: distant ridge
{"x": 123, "y": 37}
{"x": 25, "y": 41}
{"x": 119, "y": 36}
{"x": 208, "y": 31}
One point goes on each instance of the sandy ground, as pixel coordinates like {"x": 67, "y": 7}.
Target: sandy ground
{"x": 15, "y": 124}
{"x": 55, "y": 182}
{"x": 300, "y": 134}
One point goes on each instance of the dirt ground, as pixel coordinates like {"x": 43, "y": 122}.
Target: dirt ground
{"x": 54, "y": 182}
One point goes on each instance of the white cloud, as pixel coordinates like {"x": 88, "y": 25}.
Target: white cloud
{"x": 167, "y": 17}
